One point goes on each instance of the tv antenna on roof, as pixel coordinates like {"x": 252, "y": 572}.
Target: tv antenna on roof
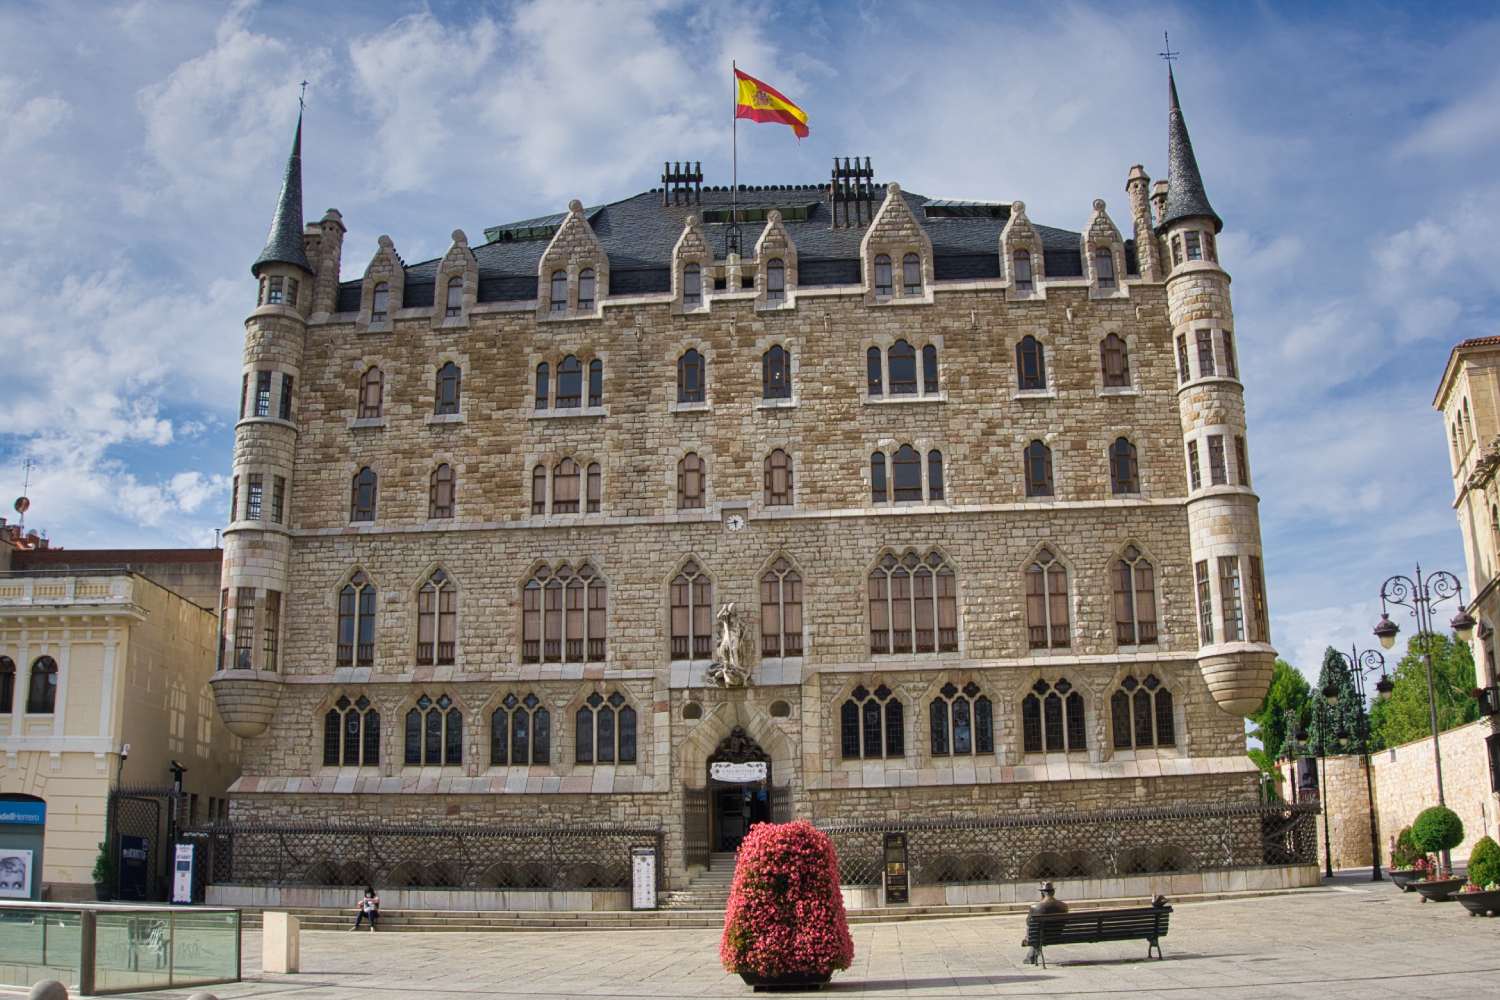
{"x": 1168, "y": 55}
{"x": 23, "y": 502}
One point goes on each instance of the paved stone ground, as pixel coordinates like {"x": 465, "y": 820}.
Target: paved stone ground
{"x": 1350, "y": 939}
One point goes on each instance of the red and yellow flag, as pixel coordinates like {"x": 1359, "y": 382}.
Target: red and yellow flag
{"x": 761, "y": 102}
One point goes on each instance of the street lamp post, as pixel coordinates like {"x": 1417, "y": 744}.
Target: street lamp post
{"x": 1421, "y": 595}
{"x": 1359, "y": 664}
{"x": 1323, "y": 789}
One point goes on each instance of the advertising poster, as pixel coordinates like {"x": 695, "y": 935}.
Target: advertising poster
{"x": 15, "y": 873}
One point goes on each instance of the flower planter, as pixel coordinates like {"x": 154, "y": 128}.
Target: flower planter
{"x": 1480, "y": 904}
{"x": 1438, "y": 890}
{"x": 1402, "y": 878}
{"x": 791, "y": 982}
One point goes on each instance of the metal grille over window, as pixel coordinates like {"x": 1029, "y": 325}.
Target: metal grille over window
{"x": 437, "y": 620}
{"x": 351, "y": 734}
{"x": 1140, "y": 713}
{"x": 262, "y": 394}
{"x": 604, "y": 731}
{"x": 872, "y": 724}
{"x": 692, "y": 594}
{"x": 356, "y": 637}
{"x": 1135, "y": 599}
{"x": 244, "y": 629}
{"x": 520, "y": 732}
{"x": 1047, "y": 602}
{"x": 913, "y": 604}
{"x": 563, "y": 615}
{"x": 434, "y": 733}
{"x": 1052, "y": 719}
{"x": 781, "y": 610}
{"x": 961, "y": 722}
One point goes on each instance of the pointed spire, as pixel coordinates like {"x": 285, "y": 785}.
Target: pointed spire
{"x": 1185, "y": 195}
{"x": 284, "y": 244}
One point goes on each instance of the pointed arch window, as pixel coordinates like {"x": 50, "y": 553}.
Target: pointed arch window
{"x": 1104, "y": 267}
{"x": 961, "y": 722}
{"x": 878, "y": 490}
{"x": 596, "y": 382}
{"x": 539, "y": 489}
{"x": 911, "y": 274}
{"x": 41, "y": 694}
{"x": 559, "y": 292}
{"x": 564, "y": 615}
{"x": 565, "y": 483}
{"x": 1047, "y": 602}
{"x": 1031, "y": 366}
{"x": 356, "y": 636}
{"x": 1022, "y": 271}
{"x": 595, "y": 488}
{"x": 604, "y": 730}
{"x": 906, "y": 466}
{"x": 543, "y": 377}
{"x": 351, "y": 734}
{"x": 586, "y": 285}
{"x": 1114, "y": 359}
{"x": 692, "y": 598}
{"x": 902, "y": 359}
{"x": 913, "y": 604}
{"x": 1038, "y": 470}
{"x": 1135, "y": 599}
{"x": 776, "y": 373}
{"x": 371, "y": 393}
{"x": 520, "y": 732}
{"x": 8, "y": 676}
{"x": 934, "y": 475}
{"x": 692, "y": 377}
{"x": 380, "y": 303}
{"x": 776, "y": 281}
{"x": 781, "y": 610}
{"x": 434, "y": 733}
{"x": 437, "y": 620}
{"x": 872, "y": 724}
{"x": 778, "y": 476}
{"x": 569, "y": 383}
{"x": 692, "y": 482}
{"x": 692, "y": 286}
{"x": 1141, "y": 715}
{"x": 873, "y": 377}
{"x": 362, "y": 495}
{"x": 1052, "y": 719}
{"x": 455, "y": 303}
{"x": 929, "y": 369}
{"x": 448, "y": 378}
{"x": 882, "y": 275}
{"x": 440, "y": 492}
{"x": 1124, "y": 472}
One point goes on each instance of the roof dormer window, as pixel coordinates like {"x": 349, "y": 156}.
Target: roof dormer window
{"x": 882, "y": 275}
{"x": 380, "y": 303}
{"x": 1022, "y": 271}
{"x": 1104, "y": 267}
{"x": 911, "y": 274}
{"x": 775, "y": 281}
{"x": 586, "y": 290}
{"x": 455, "y": 304}
{"x": 559, "y": 300}
{"x": 692, "y": 286}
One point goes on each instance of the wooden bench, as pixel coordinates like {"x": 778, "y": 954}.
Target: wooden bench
{"x": 1143, "y": 923}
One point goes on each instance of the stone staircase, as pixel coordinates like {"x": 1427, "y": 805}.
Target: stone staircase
{"x": 708, "y": 890}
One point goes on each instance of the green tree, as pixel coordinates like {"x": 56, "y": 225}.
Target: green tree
{"x": 1404, "y": 715}
{"x": 1328, "y": 721}
{"x": 1289, "y": 690}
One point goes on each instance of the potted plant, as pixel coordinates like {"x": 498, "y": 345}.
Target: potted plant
{"x": 1481, "y": 896}
{"x": 1405, "y": 861}
{"x": 104, "y": 872}
{"x": 785, "y": 926}
{"x": 1437, "y": 828}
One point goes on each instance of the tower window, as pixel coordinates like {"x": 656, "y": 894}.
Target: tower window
{"x": 1195, "y": 478}
{"x": 1104, "y": 268}
{"x": 276, "y": 295}
{"x": 1216, "y": 471}
{"x": 1038, "y": 470}
{"x": 776, "y": 373}
{"x": 691, "y": 377}
{"x": 776, "y": 281}
{"x": 285, "y": 405}
{"x": 380, "y": 303}
{"x": 362, "y": 495}
{"x": 1124, "y": 472}
{"x": 455, "y": 305}
{"x": 1031, "y": 368}
{"x": 1022, "y": 271}
{"x": 278, "y": 498}
{"x": 263, "y": 394}
{"x": 1114, "y": 360}
{"x": 254, "y": 492}
{"x": 448, "y": 378}
{"x": 1205, "y": 353}
{"x": 1194, "y": 245}
{"x": 692, "y": 286}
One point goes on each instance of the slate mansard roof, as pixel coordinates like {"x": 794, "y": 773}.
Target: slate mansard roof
{"x": 639, "y": 233}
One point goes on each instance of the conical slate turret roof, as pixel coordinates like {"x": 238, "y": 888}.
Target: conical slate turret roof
{"x": 1186, "y": 198}
{"x": 284, "y": 244}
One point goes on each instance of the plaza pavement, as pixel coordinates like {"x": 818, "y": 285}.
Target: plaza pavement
{"x": 1350, "y": 939}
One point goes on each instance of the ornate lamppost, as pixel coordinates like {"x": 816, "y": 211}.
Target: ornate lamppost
{"x": 1323, "y": 788}
{"x": 1359, "y": 664}
{"x": 1421, "y": 595}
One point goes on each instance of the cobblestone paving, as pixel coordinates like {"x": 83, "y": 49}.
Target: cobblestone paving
{"x": 1348, "y": 940}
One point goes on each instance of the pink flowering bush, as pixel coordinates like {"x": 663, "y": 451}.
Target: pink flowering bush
{"x": 785, "y": 915}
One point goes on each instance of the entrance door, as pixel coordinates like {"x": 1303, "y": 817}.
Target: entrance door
{"x": 736, "y": 809}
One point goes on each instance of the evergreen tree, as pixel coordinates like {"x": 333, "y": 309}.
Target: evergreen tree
{"x": 1343, "y": 717}
{"x": 1404, "y": 715}
{"x": 1289, "y": 690}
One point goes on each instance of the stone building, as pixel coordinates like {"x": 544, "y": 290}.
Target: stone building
{"x": 904, "y": 507}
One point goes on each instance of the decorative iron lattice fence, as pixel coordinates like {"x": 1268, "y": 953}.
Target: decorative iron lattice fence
{"x": 1084, "y": 845}
{"x": 422, "y": 857}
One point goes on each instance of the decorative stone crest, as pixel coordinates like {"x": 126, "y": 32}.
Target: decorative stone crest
{"x": 735, "y": 648}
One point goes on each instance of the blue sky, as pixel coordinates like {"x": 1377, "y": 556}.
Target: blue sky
{"x": 1349, "y": 149}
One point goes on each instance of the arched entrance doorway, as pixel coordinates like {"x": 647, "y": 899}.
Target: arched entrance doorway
{"x": 739, "y": 790}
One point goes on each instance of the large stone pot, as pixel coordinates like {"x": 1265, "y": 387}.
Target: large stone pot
{"x": 1480, "y": 904}
{"x": 791, "y": 982}
{"x": 1438, "y": 890}
{"x": 1402, "y": 878}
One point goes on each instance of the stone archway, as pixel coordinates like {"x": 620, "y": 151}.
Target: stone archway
{"x": 738, "y": 782}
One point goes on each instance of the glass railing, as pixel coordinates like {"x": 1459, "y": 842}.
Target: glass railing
{"x": 118, "y": 949}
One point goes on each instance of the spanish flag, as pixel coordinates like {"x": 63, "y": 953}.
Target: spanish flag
{"x": 761, "y": 102}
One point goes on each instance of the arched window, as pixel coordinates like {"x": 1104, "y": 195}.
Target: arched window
{"x": 569, "y": 383}
{"x": 596, "y": 382}
{"x": 775, "y": 281}
{"x": 362, "y": 495}
{"x": 1104, "y": 267}
{"x": 692, "y": 613}
{"x": 434, "y": 733}
{"x": 1231, "y": 367}
{"x": 691, "y": 377}
{"x": 41, "y": 696}
{"x": 692, "y": 286}
{"x": 564, "y": 615}
{"x": 1052, "y": 719}
{"x": 520, "y": 732}
{"x": 882, "y": 275}
{"x": 902, "y": 359}
{"x": 595, "y": 488}
{"x": 8, "y": 679}
{"x": 692, "y": 482}
{"x": 878, "y": 491}
{"x": 1047, "y": 602}
{"x": 778, "y": 475}
{"x": 539, "y": 489}
{"x": 440, "y": 492}
{"x": 455, "y": 304}
{"x": 929, "y": 369}
{"x": 1022, "y": 271}
{"x": 437, "y": 620}
{"x": 934, "y": 475}
{"x": 873, "y": 379}
{"x": 380, "y": 303}
{"x": 961, "y": 722}
{"x": 872, "y": 724}
{"x": 1038, "y": 470}
{"x": 1114, "y": 359}
{"x": 605, "y": 730}
{"x": 781, "y": 610}
{"x": 1140, "y": 713}
{"x": 1031, "y": 367}
{"x": 586, "y": 289}
{"x": 559, "y": 298}
{"x": 565, "y": 487}
{"x": 351, "y": 734}
{"x": 371, "y": 393}
{"x": 776, "y": 373}
{"x": 543, "y": 377}
{"x": 1135, "y": 599}
{"x": 448, "y": 378}
{"x": 913, "y": 604}
{"x": 906, "y": 467}
{"x": 1124, "y": 474}
{"x": 911, "y": 274}
{"x": 356, "y": 638}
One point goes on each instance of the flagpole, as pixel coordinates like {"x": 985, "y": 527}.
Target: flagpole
{"x": 734, "y": 159}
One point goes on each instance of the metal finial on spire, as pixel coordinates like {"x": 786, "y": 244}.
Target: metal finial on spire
{"x": 302, "y": 97}
{"x": 1168, "y": 55}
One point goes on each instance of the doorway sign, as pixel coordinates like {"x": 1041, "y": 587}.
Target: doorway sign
{"x": 744, "y": 773}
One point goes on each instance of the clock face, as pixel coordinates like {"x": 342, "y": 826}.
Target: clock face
{"x": 735, "y": 522}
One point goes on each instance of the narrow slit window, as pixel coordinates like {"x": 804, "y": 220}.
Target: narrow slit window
{"x": 455, "y": 303}
{"x": 776, "y": 281}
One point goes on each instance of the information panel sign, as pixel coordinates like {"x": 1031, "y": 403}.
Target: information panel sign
{"x": 643, "y": 878}
{"x": 897, "y": 886}
{"x": 182, "y": 874}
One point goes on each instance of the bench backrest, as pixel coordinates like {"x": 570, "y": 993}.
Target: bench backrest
{"x": 1097, "y": 925}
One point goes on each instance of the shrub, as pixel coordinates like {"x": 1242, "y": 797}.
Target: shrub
{"x": 1484, "y": 862}
{"x": 104, "y": 866}
{"x": 785, "y": 913}
{"x": 1437, "y": 828}
{"x": 1405, "y": 853}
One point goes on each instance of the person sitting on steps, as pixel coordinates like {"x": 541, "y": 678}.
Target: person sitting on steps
{"x": 369, "y": 909}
